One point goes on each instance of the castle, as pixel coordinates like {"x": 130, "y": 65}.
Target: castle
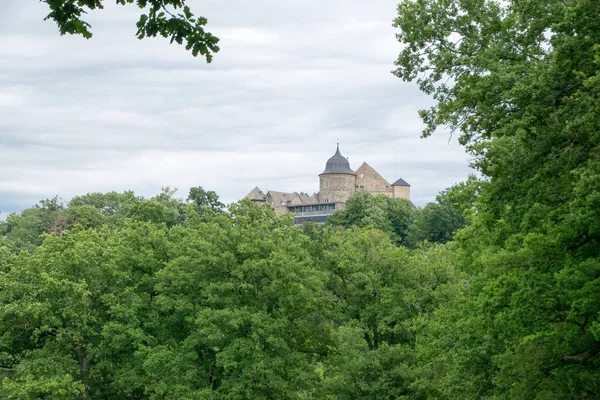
{"x": 336, "y": 184}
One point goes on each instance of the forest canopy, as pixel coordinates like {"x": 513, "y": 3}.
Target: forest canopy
{"x": 490, "y": 292}
{"x": 117, "y": 296}
{"x": 519, "y": 81}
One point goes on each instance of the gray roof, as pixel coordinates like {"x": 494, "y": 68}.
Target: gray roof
{"x": 400, "y": 182}
{"x": 338, "y": 164}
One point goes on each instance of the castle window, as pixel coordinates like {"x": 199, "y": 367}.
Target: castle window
{"x": 361, "y": 176}
{"x": 326, "y": 184}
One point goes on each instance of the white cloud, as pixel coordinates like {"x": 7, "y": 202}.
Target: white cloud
{"x": 116, "y": 113}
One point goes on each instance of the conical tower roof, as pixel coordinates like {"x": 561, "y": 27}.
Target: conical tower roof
{"x": 400, "y": 182}
{"x": 338, "y": 164}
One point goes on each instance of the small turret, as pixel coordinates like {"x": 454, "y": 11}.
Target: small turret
{"x": 338, "y": 181}
{"x": 401, "y": 189}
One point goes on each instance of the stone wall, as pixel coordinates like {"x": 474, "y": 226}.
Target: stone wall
{"x": 367, "y": 179}
{"x": 336, "y": 187}
{"x": 387, "y": 194}
{"x": 401, "y": 192}
{"x": 279, "y": 209}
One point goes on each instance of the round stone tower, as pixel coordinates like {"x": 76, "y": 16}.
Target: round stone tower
{"x": 338, "y": 181}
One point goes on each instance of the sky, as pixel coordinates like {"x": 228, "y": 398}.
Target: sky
{"x": 292, "y": 77}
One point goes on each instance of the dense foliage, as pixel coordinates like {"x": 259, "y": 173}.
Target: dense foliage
{"x": 171, "y": 19}
{"x": 115, "y": 296}
{"x": 491, "y": 292}
{"x": 365, "y": 210}
{"x": 520, "y": 80}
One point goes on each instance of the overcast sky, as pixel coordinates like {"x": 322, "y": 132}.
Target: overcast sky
{"x": 117, "y": 113}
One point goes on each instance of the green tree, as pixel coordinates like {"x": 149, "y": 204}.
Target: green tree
{"x": 204, "y": 200}
{"x": 87, "y": 216}
{"x": 380, "y": 291}
{"x": 364, "y": 209}
{"x": 154, "y": 211}
{"x": 240, "y": 305}
{"x": 435, "y": 223}
{"x": 171, "y": 19}
{"x": 237, "y": 304}
{"x": 24, "y": 230}
{"x": 167, "y": 198}
{"x": 226, "y": 307}
{"x": 438, "y": 221}
{"x": 112, "y": 205}
{"x": 520, "y": 81}
{"x": 56, "y": 304}
{"x": 5, "y": 252}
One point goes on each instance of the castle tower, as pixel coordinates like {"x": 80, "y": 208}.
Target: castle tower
{"x": 338, "y": 181}
{"x": 401, "y": 189}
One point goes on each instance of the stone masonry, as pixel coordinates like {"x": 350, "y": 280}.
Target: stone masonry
{"x": 337, "y": 183}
